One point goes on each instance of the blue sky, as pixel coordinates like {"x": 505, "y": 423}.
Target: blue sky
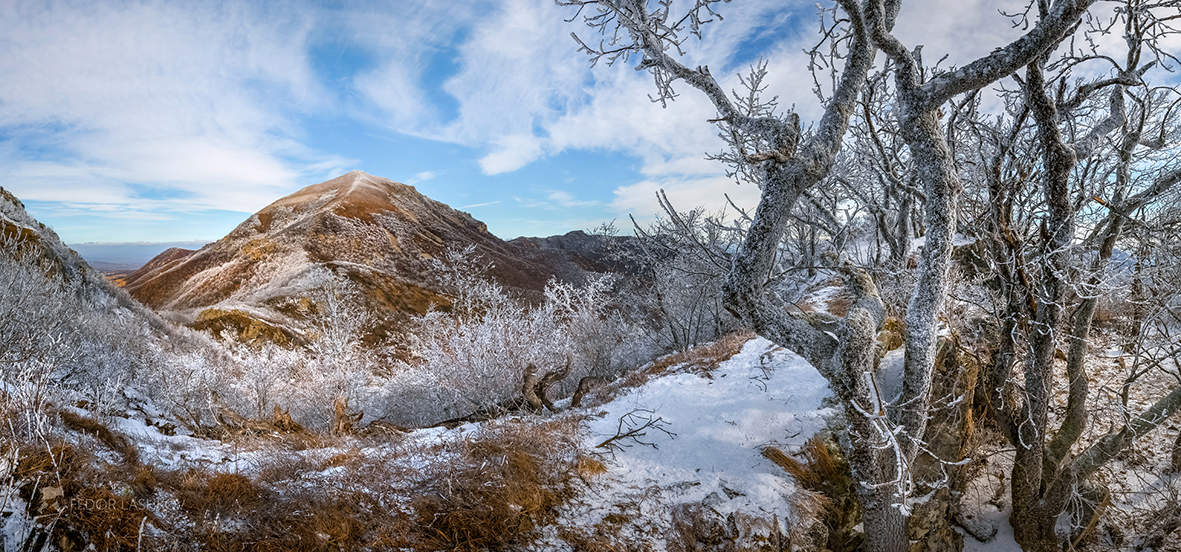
{"x": 168, "y": 121}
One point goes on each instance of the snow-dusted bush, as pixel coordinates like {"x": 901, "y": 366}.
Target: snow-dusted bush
{"x": 475, "y": 356}
{"x": 476, "y": 362}
{"x": 37, "y": 314}
{"x": 600, "y": 339}
{"x": 307, "y": 381}
{"x": 188, "y": 370}
{"x": 266, "y": 375}
{"x": 337, "y": 357}
{"x": 682, "y": 257}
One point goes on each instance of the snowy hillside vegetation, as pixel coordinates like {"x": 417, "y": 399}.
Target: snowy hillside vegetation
{"x": 964, "y": 276}
{"x": 645, "y": 463}
{"x": 122, "y": 430}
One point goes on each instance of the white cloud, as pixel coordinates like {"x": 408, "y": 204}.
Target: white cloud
{"x": 524, "y": 92}
{"x": 420, "y": 177}
{"x": 201, "y": 102}
{"x": 511, "y": 152}
{"x": 639, "y": 199}
{"x": 567, "y": 199}
{"x": 191, "y": 100}
{"x": 481, "y": 204}
{"x": 402, "y": 37}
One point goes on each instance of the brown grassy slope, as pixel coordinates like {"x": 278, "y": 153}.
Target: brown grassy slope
{"x": 380, "y": 234}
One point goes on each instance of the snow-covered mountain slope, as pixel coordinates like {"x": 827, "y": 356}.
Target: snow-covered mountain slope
{"x": 378, "y": 233}
{"x": 702, "y": 454}
{"x": 61, "y": 263}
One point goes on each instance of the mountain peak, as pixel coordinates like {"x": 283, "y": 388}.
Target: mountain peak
{"x": 356, "y": 190}
{"x": 378, "y": 233}
{"x": 355, "y": 177}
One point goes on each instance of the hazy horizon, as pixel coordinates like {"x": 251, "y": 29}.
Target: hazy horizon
{"x": 128, "y": 256}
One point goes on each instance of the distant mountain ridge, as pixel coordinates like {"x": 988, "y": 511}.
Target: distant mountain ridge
{"x": 378, "y": 233}
{"x": 126, "y": 257}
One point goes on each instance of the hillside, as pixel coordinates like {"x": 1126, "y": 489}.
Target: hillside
{"x": 378, "y": 233}
{"x": 525, "y": 482}
{"x": 22, "y": 232}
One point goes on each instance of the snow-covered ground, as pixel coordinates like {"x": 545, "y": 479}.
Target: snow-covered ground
{"x": 705, "y": 430}
{"x": 705, "y": 449}
{"x": 717, "y": 423}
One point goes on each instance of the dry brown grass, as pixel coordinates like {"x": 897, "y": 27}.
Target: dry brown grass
{"x": 825, "y": 474}
{"x": 318, "y": 517}
{"x": 283, "y": 466}
{"x": 348, "y": 457}
{"x": 510, "y": 482}
{"x": 96, "y": 516}
{"x": 84, "y": 502}
{"x": 821, "y": 464}
{"x": 34, "y": 460}
{"x": 307, "y": 521}
{"x": 491, "y": 490}
{"x": 892, "y": 335}
{"x": 588, "y": 467}
{"x": 204, "y": 492}
{"x": 112, "y": 440}
{"x": 244, "y": 326}
{"x": 705, "y": 358}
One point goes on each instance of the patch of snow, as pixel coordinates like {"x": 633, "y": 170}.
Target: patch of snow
{"x": 763, "y": 396}
{"x": 1003, "y": 541}
{"x": 890, "y": 373}
{"x": 959, "y": 240}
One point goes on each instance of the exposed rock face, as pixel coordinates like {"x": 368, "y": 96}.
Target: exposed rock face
{"x": 697, "y": 527}
{"x": 60, "y": 260}
{"x": 378, "y": 233}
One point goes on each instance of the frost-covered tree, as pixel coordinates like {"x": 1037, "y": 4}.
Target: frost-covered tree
{"x": 683, "y": 260}
{"x": 335, "y": 342}
{"x": 268, "y": 374}
{"x": 1075, "y": 163}
{"x": 771, "y": 150}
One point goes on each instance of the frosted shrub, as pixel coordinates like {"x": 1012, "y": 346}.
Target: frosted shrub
{"x": 35, "y": 311}
{"x": 599, "y": 338}
{"x": 183, "y": 383}
{"x": 479, "y": 362}
{"x": 474, "y": 357}
{"x": 267, "y": 372}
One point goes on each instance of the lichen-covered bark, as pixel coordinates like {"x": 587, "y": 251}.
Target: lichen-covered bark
{"x": 936, "y": 170}
{"x": 1044, "y": 477}
{"x": 1030, "y": 505}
